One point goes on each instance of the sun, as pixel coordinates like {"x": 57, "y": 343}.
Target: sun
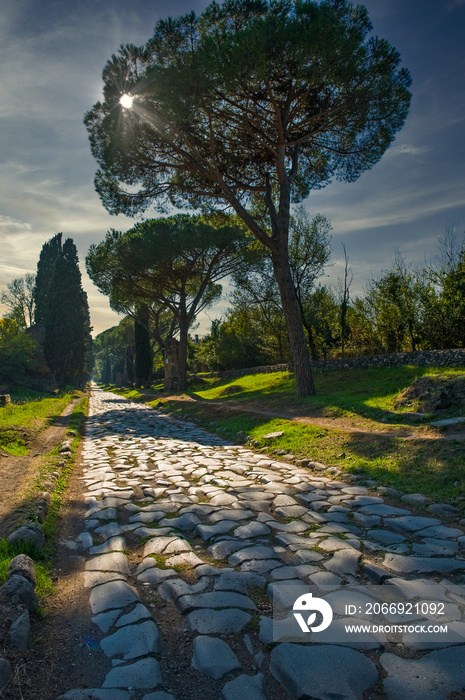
{"x": 126, "y": 101}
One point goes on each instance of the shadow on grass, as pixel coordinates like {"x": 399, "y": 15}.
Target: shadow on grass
{"x": 363, "y": 393}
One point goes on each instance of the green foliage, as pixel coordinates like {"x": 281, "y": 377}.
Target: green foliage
{"x": 168, "y": 265}
{"x": 142, "y": 348}
{"x": 257, "y": 293}
{"x": 344, "y": 93}
{"x": 44, "y": 586}
{"x": 19, "y": 298}
{"x": 63, "y": 311}
{"x": 11, "y": 442}
{"x": 235, "y": 343}
{"x": 446, "y": 314}
{"x": 45, "y": 271}
{"x": 251, "y": 105}
{"x": 16, "y": 351}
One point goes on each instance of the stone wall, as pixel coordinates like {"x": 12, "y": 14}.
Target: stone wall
{"x": 421, "y": 358}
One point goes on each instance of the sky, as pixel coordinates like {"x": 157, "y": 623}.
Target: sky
{"x": 52, "y": 54}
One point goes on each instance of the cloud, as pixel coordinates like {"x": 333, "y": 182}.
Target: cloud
{"x": 9, "y": 226}
{"x": 412, "y": 150}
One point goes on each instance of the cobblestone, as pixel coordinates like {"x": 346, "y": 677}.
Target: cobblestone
{"x": 204, "y": 521}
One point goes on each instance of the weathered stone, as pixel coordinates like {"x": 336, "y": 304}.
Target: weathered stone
{"x": 115, "y": 594}
{"x": 184, "y": 559}
{"x": 284, "y": 573}
{"x": 137, "y": 614}
{"x": 22, "y": 565}
{"x": 106, "y": 619}
{"x": 222, "y": 550}
{"x": 113, "y": 544}
{"x": 20, "y": 632}
{"x": 20, "y": 588}
{"x": 440, "y": 532}
{"x": 253, "y": 529}
{"x": 223, "y": 499}
{"x": 385, "y": 537}
{"x": 332, "y": 544}
{"x": 214, "y": 599}
{"x": 344, "y": 562}
{"x": 251, "y": 553}
{"x": 244, "y": 687}
{"x": 133, "y": 641}
{"x": 174, "y": 588}
{"x": 325, "y": 578}
{"x": 416, "y": 499}
{"x": 187, "y": 521}
{"x": 96, "y": 578}
{"x": 210, "y": 621}
{"x": 28, "y": 533}
{"x": 235, "y": 514}
{"x": 362, "y": 501}
{"x": 322, "y": 673}
{"x": 214, "y": 657}
{"x": 155, "y": 575}
{"x": 384, "y": 511}
{"x": 290, "y": 511}
{"x": 206, "y": 532}
{"x": 411, "y": 523}
{"x": 367, "y": 520}
{"x": 410, "y": 565}
{"x": 85, "y": 538}
{"x": 432, "y": 548}
{"x": 141, "y": 674}
{"x": 238, "y": 581}
{"x": 115, "y": 561}
{"x": 434, "y": 676}
{"x": 158, "y": 544}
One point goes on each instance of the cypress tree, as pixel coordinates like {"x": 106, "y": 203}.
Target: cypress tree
{"x": 142, "y": 347}
{"x": 48, "y": 256}
{"x": 64, "y": 312}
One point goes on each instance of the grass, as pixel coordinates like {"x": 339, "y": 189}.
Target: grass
{"x": 44, "y": 587}
{"x": 361, "y": 393}
{"x": 50, "y": 528}
{"x": 28, "y": 413}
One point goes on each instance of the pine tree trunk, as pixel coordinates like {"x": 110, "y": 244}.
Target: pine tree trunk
{"x": 295, "y": 331}
{"x": 182, "y": 359}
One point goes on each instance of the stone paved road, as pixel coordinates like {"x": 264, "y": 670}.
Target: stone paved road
{"x": 211, "y": 530}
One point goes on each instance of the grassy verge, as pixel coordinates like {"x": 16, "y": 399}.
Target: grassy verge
{"x": 44, "y": 587}
{"x": 355, "y": 393}
{"x": 53, "y": 469}
{"x": 29, "y": 413}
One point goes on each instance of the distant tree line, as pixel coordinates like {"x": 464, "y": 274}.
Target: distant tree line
{"x": 404, "y": 308}
{"x": 45, "y": 338}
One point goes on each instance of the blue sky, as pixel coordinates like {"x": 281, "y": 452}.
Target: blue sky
{"x": 52, "y": 54}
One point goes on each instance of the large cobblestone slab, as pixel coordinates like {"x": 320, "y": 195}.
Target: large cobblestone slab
{"x": 322, "y": 673}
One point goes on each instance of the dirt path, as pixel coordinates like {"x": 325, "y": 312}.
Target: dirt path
{"x": 16, "y": 472}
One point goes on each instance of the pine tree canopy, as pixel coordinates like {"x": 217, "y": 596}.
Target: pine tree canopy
{"x": 250, "y": 105}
